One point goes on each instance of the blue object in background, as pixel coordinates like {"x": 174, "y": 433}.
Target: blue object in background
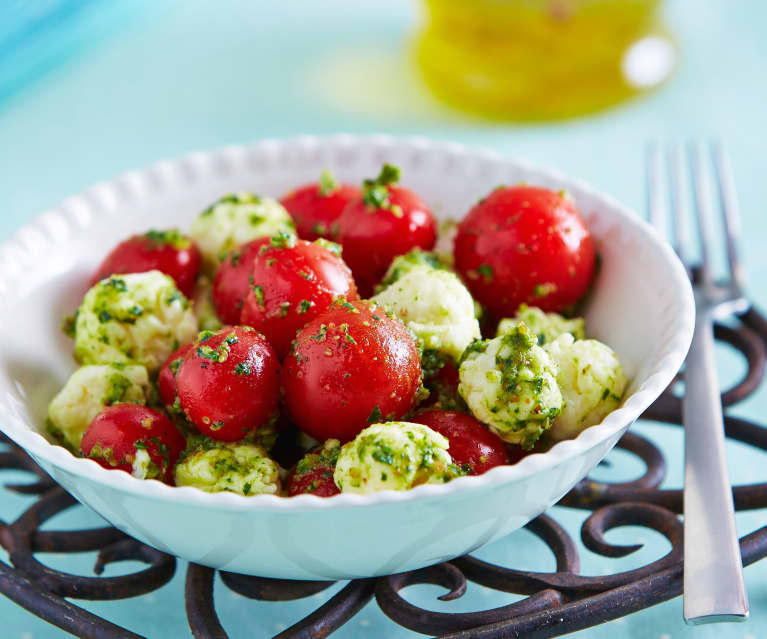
{"x": 39, "y": 36}
{"x": 119, "y": 85}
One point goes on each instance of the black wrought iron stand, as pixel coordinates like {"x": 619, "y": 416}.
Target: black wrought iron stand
{"x": 557, "y": 603}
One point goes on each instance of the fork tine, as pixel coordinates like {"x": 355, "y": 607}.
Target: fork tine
{"x": 656, "y": 206}
{"x": 680, "y": 205}
{"x": 703, "y": 210}
{"x": 730, "y": 213}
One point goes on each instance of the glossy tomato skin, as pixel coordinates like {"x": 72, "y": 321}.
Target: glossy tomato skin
{"x": 316, "y": 207}
{"x": 230, "y": 286}
{"x": 313, "y": 474}
{"x": 228, "y": 383}
{"x": 350, "y": 367}
{"x": 166, "y": 378}
{"x": 117, "y": 432}
{"x": 293, "y": 281}
{"x": 166, "y": 251}
{"x": 472, "y": 446}
{"x": 525, "y": 244}
{"x": 373, "y": 236}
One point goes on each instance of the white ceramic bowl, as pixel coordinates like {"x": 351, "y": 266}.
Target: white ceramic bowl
{"x": 642, "y": 307}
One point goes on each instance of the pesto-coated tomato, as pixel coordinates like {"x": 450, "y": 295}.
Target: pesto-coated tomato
{"x": 316, "y": 207}
{"x": 166, "y": 378}
{"x": 313, "y": 474}
{"x": 230, "y": 286}
{"x": 383, "y": 222}
{"x": 166, "y": 251}
{"x": 525, "y": 244}
{"x": 472, "y": 446}
{"x": 136, "y": 439}
{"x": 350, "y": 367}
{"x": 228, "y": 383}
{"x": 292, "y": 281}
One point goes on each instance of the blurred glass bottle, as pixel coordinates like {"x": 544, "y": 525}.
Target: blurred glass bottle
{"x": 542, "y": 59}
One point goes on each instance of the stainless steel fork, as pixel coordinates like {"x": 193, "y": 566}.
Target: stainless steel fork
{"x": 713, "y": 569}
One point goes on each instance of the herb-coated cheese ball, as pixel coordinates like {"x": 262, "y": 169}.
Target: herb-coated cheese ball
{"x": 403, "y": 264}
{"x": 545, "y": 326}
{"x": 138, "y": 318}
{"x": 591, "y": 380}
{"x": 235, "y": 219}
{"x": 234, "y": 467}
{"x": 436, "y": 307}
{"x": 509, "y": 383}
{"x": 87, "y": 392}
{"x": 393, "y": 456}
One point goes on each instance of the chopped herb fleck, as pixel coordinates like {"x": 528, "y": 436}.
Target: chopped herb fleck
{"x": 68, "y": 324}
{"x": 283, "y": 240}
{"x": 321, "y": 335}
{"x": 171, "y": 236}
{"x": 328, "y": 183}
{"x": 332, "y": 247}
{"x": 486, "y": 271}
{"x": 243, "y": 368}
{"x": 375, "y": 192}
{"x": 258, "y": 290}
{"x": 375, "y": 415}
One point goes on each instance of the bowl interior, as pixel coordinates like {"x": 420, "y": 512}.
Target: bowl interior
{"x": 635, "y": 306}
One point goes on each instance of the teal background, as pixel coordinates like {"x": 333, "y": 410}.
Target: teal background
{"x": 141, "y": 81}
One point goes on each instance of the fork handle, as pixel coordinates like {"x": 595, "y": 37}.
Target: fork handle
{"x": 713, "y": 568}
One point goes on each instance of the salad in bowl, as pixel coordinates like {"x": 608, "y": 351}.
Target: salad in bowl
{"x": 326, "y": 358}
{"x": 332, "y": 329}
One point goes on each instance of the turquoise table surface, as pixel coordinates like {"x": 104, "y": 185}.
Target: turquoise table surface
{"x": 171, "y": 77}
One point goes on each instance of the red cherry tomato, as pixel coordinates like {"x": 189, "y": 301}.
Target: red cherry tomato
{"x": 230, "y": 285}
{"x": 228, "y": 383}
{"x": 166, "y": 378}
{"x": 517, "y": 453}
{"x": 313, "y": 474}
{"x": 293, "y": 281}
{"x": 382, "y": 223}
{"x": 166, "y": 251}
{"x": 472, "y": 446}
{"x": 117, "y": 432}
{"x": 525, "y": 244}
{"x": 350, "y": 367}
{"x": 316, "y": 207}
